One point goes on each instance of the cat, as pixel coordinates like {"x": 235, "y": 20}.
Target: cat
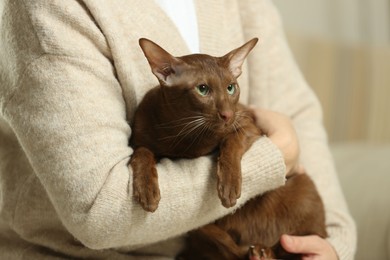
{"x": 256, "y": 227}
{"x": 197, "y": 98}
{"x": 193, "y": 112}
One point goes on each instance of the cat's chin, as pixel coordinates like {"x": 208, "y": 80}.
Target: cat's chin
{"x": 224, "y": 128}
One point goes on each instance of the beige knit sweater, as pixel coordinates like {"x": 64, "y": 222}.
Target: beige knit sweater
{"x": 71, "y": 76}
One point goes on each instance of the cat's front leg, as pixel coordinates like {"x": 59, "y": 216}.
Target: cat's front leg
{"x": 145, "y": 179}
{"x": 232, "y": 149}
{"x": 229, "y": 172}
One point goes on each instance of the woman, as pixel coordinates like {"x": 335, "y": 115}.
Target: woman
{"x": 72, "y": 74}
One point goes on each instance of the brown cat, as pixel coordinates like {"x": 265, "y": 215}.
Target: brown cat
{"x": 193, "y": 112}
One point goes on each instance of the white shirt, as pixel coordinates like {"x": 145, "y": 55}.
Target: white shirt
{"x": 183, "y": 15}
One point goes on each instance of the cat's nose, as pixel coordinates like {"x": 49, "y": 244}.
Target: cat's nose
{"x": 226, "y": 115}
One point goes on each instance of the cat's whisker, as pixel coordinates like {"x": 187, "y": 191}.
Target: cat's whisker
{"x": 206, "y": 129}
{"x": 179, "y": 122}
{"x": 185, "y": 130}
{"x": 191, "y": 127}
{"x": 174, "y": 136}
{"x": 235, "y": 127}
{"x": 243, "y": 114}
{"x": 198, "y": 135}
{"x": 239, "y": 128}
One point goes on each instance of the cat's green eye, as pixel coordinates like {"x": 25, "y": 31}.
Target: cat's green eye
{"x": 231, "y": 89}
{"x": 203, "y": 89}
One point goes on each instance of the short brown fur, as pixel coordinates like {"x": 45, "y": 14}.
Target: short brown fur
{"x": 194, "y": 112}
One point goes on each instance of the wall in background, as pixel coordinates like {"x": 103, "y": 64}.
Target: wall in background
{"x": 347, "y": 21}
{"x": 343, "y": 49}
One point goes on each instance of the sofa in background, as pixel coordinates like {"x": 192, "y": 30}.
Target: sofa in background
{"x": 364, "y": 173}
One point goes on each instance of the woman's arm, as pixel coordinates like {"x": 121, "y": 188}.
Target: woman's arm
{"x": 65, "y": 105}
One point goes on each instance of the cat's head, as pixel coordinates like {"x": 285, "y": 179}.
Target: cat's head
{"x": 209, "y": 83}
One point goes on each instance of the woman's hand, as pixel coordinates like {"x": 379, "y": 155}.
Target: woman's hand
{"x": 280, "y": 130}
{"x": 311, "y": 247}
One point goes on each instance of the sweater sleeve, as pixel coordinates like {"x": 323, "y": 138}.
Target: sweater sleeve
{"x": 288, "y": 93}
{"x": 67, "y": 110}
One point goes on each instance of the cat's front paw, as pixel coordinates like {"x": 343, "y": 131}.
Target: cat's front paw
{"x": 146, "y": 190}
{"x": 145, "y": 182}
{"x": 229, "y": 184}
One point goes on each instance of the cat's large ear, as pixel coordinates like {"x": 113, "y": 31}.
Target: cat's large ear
{"x": 164, "y": 66}
{"x": 236, "y": 57}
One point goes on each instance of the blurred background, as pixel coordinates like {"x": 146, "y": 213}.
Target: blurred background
{"x": 343, "y": 50}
